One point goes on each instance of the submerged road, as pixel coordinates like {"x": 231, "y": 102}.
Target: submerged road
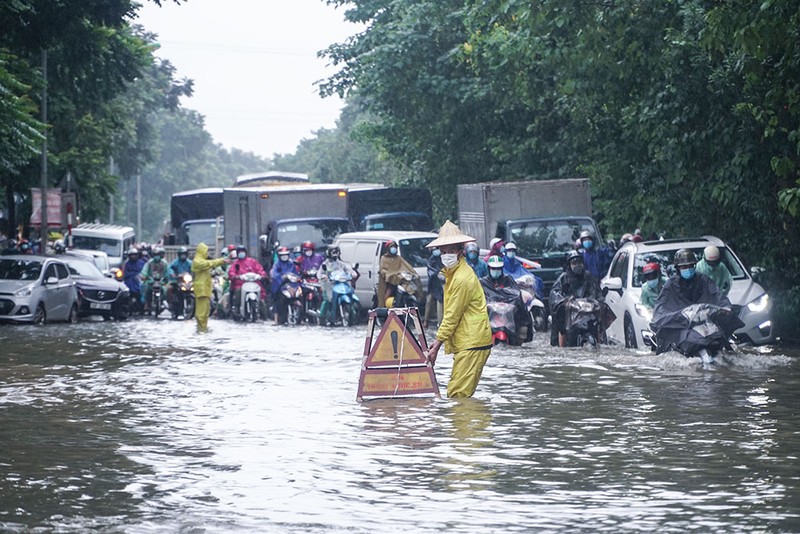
{"x": 145, "y": 426}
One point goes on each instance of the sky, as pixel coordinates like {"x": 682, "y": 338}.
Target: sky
{"x": 254, "y": 65}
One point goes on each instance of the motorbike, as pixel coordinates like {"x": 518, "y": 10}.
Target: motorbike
{"x": 249, "y": 306}
{"x": 534, "y": 305}
{"x": 406, "y": 288}
{"x": 157, "y": 302}
{"x": 508, "y": 317}
{"x": 698, "y": 330}
{"x": 586, "y": 321}
{"x": 184, "y": 297}
{"x": 346, "y": 306}
{"x": 312, "y": 296}
{"x": 292, "y": 291}
{"x": 216, "y": 291}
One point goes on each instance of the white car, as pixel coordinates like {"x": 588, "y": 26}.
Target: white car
{"x": 624, "y": 289}
{"x": 36, "y": 289}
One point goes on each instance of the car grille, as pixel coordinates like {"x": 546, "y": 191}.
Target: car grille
{"x": 100, "y": 295}
{"x": 6, "y": 306}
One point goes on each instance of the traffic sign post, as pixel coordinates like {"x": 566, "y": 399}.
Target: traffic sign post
{"x": 395, "y": 364}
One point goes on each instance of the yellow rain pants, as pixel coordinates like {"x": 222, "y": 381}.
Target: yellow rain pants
{"x": 466, "y": 373}
{"x": 202, "y": 309}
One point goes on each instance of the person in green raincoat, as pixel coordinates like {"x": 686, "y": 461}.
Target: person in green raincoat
{"x": 201, "y": 269}
{"x": 465, "y": 329}
{"x": 712, "y": 267}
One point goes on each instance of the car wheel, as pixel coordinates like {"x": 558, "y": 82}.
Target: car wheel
{"x": 630, "y": 334}
{"x": 40, "y": 316}
{"x": 73, "y": 315}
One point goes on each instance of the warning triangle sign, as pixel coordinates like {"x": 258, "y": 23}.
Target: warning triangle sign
{"x": 395, "y": 346}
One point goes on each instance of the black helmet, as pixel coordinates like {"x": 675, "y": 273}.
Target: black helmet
{"x": 240, "y": 248}
{"x": 684, "y": 257}
{"x": 574, "y": 255}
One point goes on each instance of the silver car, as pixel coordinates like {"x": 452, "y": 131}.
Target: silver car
{"x": 36, "y": 289}
{"x": 624, "y": 285}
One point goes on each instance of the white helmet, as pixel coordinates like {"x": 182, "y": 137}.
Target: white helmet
{"x": 711, "y": 253}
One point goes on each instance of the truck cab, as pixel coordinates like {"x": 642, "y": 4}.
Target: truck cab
{"x": 546, "y": 240}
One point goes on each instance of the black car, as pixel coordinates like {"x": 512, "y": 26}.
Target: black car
{"x": 97, "y": 293}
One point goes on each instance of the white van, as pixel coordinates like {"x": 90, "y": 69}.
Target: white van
{"x": 109, "y": 238}
{"x": 365, "y": 248}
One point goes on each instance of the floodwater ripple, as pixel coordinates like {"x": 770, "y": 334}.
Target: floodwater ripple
{"x": 146, "y": 426}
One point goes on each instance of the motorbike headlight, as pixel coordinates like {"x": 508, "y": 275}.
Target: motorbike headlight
{"x": 760, "y": 304}
{"x": 187, "y": 277}
{"x": 24, "y": 292}
{"x": 644, "y": 311}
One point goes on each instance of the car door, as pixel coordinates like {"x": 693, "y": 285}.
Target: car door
{"x": 54, "y": 297}
{"x": 369, "y": 250}
{"x": 66, "y": 288}
{"x": 616, "y": 298}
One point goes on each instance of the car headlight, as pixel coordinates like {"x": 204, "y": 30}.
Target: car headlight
{"x": 760, "y": 304}
{"x": 644, "y": 311}
{"x": 24, "y": 292}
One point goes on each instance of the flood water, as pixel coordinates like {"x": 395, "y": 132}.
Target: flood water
{"x": 146, "y": 427}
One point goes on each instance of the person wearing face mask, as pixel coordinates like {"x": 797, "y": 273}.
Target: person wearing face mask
{"x": 597, "y": 260}
{"x": 465, "y": 329}
{"x": 653, "y": 283}
{"x": 684, "y": 288}
{"x": 311, "y": 260}
{"x": 182, "y": 264}
{"x": 497, "y": 247}
{"x": 515, "y": 269}
{"x": 498, "y": 286}
{"x": 435, "y": 287}
{"x": 575, "y": 282}
{"x": 473, "y": 259}
{"x": 243, "y": 264}
{"x": 391, "y": 265}
{"x": 333, "y": 263}
{"x": 201, "y": 269}
{"x": 282, "y": 266}
{"x": 712, "y": 266}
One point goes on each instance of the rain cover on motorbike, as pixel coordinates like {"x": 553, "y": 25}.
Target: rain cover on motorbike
{"x": 694, "y": 327}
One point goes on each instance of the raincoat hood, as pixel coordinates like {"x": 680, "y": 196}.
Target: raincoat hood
{"x": 202, "y": 251}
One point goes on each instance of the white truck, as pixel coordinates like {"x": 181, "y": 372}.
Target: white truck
{"x": 543, "y": 218}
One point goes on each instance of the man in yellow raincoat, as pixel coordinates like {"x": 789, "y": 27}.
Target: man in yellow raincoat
{"x": 201, "y": 269}
{"x": 465, "y": 329}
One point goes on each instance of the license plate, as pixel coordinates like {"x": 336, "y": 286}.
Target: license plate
{"x": 99, "y": 306}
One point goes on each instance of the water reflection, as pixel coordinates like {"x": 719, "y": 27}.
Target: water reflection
{"x": 256, "y": 428}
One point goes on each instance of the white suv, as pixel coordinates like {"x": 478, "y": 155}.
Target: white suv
{"x": 624, "y": 285}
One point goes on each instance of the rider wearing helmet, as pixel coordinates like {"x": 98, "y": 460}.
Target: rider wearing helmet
{"x": 311, "y": 260}
{"x": 651, "y": 284}
{"x": 497, "y": 247}
{"x": 576, "y": 281}
{"x": 11, "y": 247}
{"x": 712, "y": 266}
{"x": 25, "y": 247}
{"x": 154, "y": 270}
{"x": 241, "y": 265}
{"x": 59, "y": 247}
{"x": 297, "y": 253}
{"x": 473, "y": 259}
{"x": 282, "y": 266}
{"x": 435, "y": 302}
{"x": 333, "y": 262}
{"x": 498, "y": 286}
{"x": 131, "y": 276}
{"x": 497, "y": 277}
{"x": 180, "y": 265}
{"x": 597, "y": 260}
{"x": 392, "y": 263}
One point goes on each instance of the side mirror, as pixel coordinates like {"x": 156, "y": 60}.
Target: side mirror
{"x": 612, "y": 284}
{"x": 51, "y": 281}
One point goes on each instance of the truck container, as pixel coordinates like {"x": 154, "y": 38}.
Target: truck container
{"x": 391, "y": 208}
{"x": 544, "y": 218}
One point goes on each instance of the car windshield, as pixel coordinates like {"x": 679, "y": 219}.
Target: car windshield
{"x": 542, "y": 239}
{"x": 201, "y": 232}
{"x": 83, "y": 269}
{"x": 321, "y": 233}
{"x": 410, "y": 222}
{"x": 414, "y": 251}
{"x": 112, "y": 247}
{"x": 20, "y": 269}
{"x": 665, "y": 259}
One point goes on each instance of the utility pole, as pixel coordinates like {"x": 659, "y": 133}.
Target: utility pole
{"x": 139, "y": 205}
{"x": 111, "y": 195}
{"x": 43, "y": 231}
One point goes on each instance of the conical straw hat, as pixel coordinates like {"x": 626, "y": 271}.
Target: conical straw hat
{"x": 449, "y": 234}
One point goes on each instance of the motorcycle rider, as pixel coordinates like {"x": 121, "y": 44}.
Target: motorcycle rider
{"x": 497, "y": 247}
{"x": 575, "y": 282}
{"x": 131, "y": 275}
{"x": 244, "y": 264}
{"x": 391, "y": 264}
{"x": 180, "y": 265}
{"x": 297, "y": 253}
{"x": 514, "y": 268}
{"x": 154, "y": 269}
{"x": 472, "y": 256}
{"x": 498, "y": 279}
{"x": 653, "y": 283}
{"x": 435, "y": 287}
{"x": 684, "y": 288}
{"x": 712, "y": 267}
{"x": 596, "y": 260}
{"x": 332, "y": 263}
{"x": 11, "y": 247}
{"x": 311, "y": 260}
{"x": 282, "y": 266}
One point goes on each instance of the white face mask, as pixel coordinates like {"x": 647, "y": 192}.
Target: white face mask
{"x": 448, "y": 260}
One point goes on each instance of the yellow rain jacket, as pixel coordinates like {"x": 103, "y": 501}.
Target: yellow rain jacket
{"x": 466, "y": 322}
{"x": 201, "y": 268}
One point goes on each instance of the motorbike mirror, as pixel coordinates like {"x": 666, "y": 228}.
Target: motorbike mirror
{"x": 324, "y": 267}
{"x": 355, "y": 267}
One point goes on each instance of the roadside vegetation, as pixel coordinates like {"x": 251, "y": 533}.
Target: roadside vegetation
{"x": 683, "y": 113}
